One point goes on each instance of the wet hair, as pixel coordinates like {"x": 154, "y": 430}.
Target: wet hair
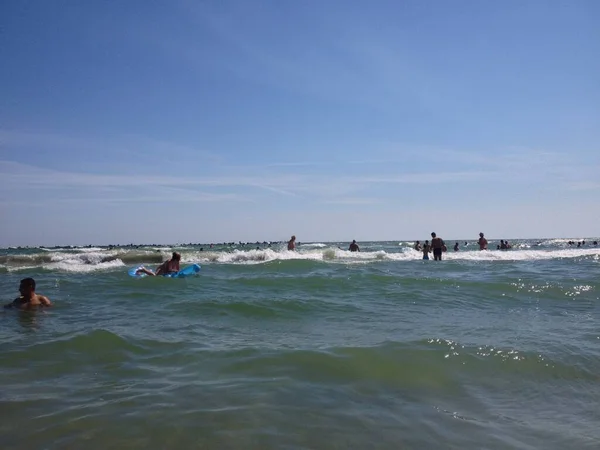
{"x": 432, "y": 234}
{"x": 176, "y": 256}
{"x": 29, "y": 282}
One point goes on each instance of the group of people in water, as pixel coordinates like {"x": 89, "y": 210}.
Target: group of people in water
{"x": 438, "y": 246}
{"x": 579, "y": 244}
{"x": 30, "y": 300}
{"x": 291, "y": 245}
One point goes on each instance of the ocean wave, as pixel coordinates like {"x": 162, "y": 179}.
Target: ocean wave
{"x": 96, "y": 345}
{"x": 429, "y": 364}
{"x": 104, "y": 259}
{"x": 314, "y": 245}
{"x": 73, "y": 266}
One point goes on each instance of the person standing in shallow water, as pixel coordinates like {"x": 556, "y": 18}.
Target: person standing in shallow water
{"x": 28, "y": 299}
{"x": 426, "y": 250}
{"x": 292, "y": 243}
{"x": 437, "y": 245}
{"x": 483, "y": 243}
{"x": 354, "y": 246}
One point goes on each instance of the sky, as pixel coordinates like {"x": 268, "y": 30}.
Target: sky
{"x": 208, "y": 121}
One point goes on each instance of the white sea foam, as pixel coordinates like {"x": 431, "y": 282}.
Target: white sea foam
{"x": 18, "y": 268}
{"x": 520, "y": 255}
{"x": 91, "y": 260}
{"x": 315, "y": 245}
{"x": 335, "y": 254}
{"x": 71, "y": 265}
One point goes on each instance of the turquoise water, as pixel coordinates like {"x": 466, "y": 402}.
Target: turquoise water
{"x": 318, "y": 349}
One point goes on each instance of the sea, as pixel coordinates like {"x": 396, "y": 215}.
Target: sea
{"x": 319, "y": 348}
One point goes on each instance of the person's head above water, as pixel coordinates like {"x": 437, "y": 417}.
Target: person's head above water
{"x": 481, "y": 234}
{"x": 293, "y": 238}
{"x": 354, "y": 241}
{"x": 433, "y": 235}
{"x": 27, "y": 285}
{"x": 176, "y": 256}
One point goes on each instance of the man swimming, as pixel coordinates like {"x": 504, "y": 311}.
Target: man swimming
{"x": 483, "y": 243}
{"x": 28, "y": 299}
{"x": 170, "y": 266}
{"x": 437, "y": 244}
{"x": 354, "y": 247}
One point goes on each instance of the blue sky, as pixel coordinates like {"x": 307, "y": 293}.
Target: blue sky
{"x": 189, "y": 121}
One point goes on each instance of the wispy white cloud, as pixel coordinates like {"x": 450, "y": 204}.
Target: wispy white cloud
{"x": 354, "y": 201}
{"x": 584, "y": 186}
{"x": 243, "y": 182}
{"x": 135, "y": 147}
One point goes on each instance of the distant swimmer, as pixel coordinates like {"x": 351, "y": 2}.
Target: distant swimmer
{"x": 292, "y": 243}
{"x": 354, "y": 247}
{"x": 417, "y": 246}
{"x": 456, "y": 248}
{"x": 170, "y": 266}
{"x": 28, "y": 299}
{"x": 426, "y": 250}
{"x": 437, "y": 245}
{"x": 483, "y": 243}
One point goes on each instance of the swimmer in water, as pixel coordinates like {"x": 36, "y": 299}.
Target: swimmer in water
{"x": 170, "y": 266}
{"x": 426, "y": 250}
{"x": 354, "y": 247}
{"x": 483, "y": 243}
{"x": 292, "y": 243}
{"x": 28, "y": 299}
{"x": 438, "y": 245}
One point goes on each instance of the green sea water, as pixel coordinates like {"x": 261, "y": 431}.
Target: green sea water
{"x": 315, "y": 349}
